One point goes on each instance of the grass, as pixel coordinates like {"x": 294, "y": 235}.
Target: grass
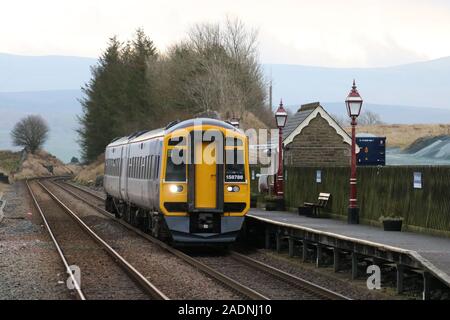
{"x": 9, "y": 161}
{"x": 403, "y": 135}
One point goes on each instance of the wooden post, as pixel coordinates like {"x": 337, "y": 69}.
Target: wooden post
{"x": 291, "y": 246}
{"x": 354, "y": 266}
{"x": 278, "y": 241}
{"x": 267, "y": 237}
{"x": 305, "y": 251}
{"x": 400, "y": 277}
{"x": 336, "y": 260}
{"x": 426, "y": 294}
{"x": 319, "y": 256}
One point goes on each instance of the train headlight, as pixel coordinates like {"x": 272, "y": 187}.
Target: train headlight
{"x": 174, "y": 188}
{"x": 233, "y": 189}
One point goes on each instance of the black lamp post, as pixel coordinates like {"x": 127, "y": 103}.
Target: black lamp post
{"x": 280, "y": 117}
{"x": 354, "y": 103}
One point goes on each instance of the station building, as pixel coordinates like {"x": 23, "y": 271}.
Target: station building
{"x": 313, "y": 138}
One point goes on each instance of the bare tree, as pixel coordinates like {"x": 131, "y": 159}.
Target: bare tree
{"x": 228, "y": 77}
{"x": 368, "y": 118}
{"x": 31, "y": 133}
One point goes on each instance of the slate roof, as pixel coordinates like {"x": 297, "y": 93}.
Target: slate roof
{"x": 294, "y": 121}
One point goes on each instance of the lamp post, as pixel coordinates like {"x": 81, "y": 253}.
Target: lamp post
{"x": 280, "y": 117}
{"x": 354, "y": 103}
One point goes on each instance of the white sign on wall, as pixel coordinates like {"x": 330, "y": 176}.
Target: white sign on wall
{"x": 319, "y": 176}
{"x": 417, "y": 180}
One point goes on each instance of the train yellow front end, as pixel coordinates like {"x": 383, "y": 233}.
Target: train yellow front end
{"x": 204, "y": 182}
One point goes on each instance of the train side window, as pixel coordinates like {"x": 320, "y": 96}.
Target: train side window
{"x": 150, "y": 171}
{"x": 139, "y": 167}
{"x": 135, "y": 167}
{"x": 152, "y": 168}
{"x": 157, "y": 167}
{"x": 144, "y": 173}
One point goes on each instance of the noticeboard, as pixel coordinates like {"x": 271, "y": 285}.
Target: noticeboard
{"x": 372, "y": 151}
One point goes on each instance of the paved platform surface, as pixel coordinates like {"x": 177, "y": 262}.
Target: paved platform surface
{"x": 432, "y": 251}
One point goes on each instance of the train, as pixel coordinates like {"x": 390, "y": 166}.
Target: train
{"x": 186, "y": 183}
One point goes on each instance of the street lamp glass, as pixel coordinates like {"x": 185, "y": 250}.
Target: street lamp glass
{"x": 354, "y": 102}
{"x": 354, "y": 107}
{"x": 281, "y": 118}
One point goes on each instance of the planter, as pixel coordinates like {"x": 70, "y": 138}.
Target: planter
{"x": 392, "y": 225}
{"x": 275, "y": 205}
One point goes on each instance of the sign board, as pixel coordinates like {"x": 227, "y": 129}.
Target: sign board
{"x": 319, "y": 176}
{"x": 417, "y": 180}
{"x": 372, "y": 151}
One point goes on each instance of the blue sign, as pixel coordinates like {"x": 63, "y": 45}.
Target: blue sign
{"x": 372, "y": 151}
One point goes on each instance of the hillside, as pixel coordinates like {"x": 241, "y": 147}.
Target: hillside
{"x": 404, "y": 135}
{"x": 38, "y": 73}
{"x": 50, "y": 86}
{"x": 416, "y": 84}
{"x": 19, "y": 166}
{"x": 60, "y": 109}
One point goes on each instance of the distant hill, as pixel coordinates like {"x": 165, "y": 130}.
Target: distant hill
{"x": 50, "y": 86}
{"x": 423, "y": 84}
{"x": 36, "y": 73}
{"x": 58, "y": 107}
{"x": 395, "y": 114}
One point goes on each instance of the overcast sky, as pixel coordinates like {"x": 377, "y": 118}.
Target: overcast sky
{"x": 360, "y": 33}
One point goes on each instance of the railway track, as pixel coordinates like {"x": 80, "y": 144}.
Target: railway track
{"x": 107, "y": 274}
{"x": 313, "y": 289}
{"x": 269, "y": 274}
{"x": 243, "y": 291}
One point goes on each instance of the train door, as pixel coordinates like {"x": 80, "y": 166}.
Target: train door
{"x": 124, "y": 174}
{"x": 205, "y": 171}
{"x": 205, "y": 175}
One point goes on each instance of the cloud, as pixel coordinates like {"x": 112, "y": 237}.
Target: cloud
{"x": 322, "y": 32}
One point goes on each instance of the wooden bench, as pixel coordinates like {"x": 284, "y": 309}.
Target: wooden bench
{"x": 313, "y": 209}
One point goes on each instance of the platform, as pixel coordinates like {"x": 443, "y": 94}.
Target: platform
{"x": 416, "y": 250}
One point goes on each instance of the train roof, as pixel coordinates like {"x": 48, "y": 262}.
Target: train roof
{"x": 203, "y": 121}
{"x": 149, "y": 134}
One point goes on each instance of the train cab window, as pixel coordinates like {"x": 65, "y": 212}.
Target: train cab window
{"x": 175, "y": 171}
{"x": 177, "y": 141}
{"x": 234, "y": 166}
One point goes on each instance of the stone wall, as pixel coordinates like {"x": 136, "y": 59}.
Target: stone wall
{"x": 317, "y": 145}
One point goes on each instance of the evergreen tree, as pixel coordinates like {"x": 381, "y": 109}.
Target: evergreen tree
{"x": 104, "y": 95}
